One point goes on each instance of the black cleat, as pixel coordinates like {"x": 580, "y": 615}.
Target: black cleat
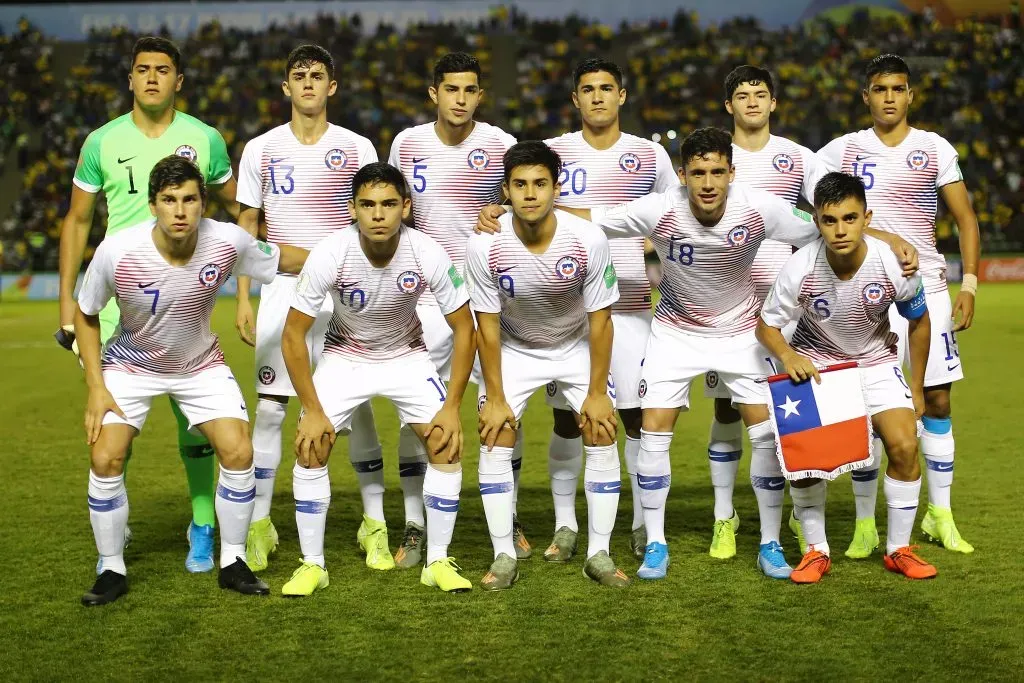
{"x": 109, "y": 586}
{"x": 238, "y": 577}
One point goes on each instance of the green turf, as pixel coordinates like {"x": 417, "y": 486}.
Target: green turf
{"x": 709, "y": 620}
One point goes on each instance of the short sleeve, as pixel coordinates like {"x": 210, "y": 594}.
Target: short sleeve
{"x": 395, "y": 155}
{"x": 600, "y": 288}
{"x": 506, "y": 140}
{"x": 666, "y": 178}
{"x": 250, "y": 180}
{"x": 256, "y": 259}
{"x": 98, "y": 284}
{"x": 317, "y": 277}
{"x": 367, "y": 152}
{"x": 814, "y": 170}
{"x": 782, "y": 306}
{"x": 89, "y": 172}
{"x": 949, "y": 163}
{"x": 637, "y": 218}
{"x": 446, "y": 283}
{"x": 832, "y": 154}
{"x": 220, "y": 163}
{"x": 483, "y": 290}
{"x": 782, "y": 221}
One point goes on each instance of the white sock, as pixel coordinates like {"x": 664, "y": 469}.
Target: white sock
{"x": 865, "y": 483}
{"x": 412, "y": 465}
{"x": 108, "y": 513}
{"x": 517, "y": 466}
{"x": 565, "y": 460}
{"x": 496, "y": 493}
{"x": 901, "y": 497}
{"x": 632, "y": 450}
{"x": 266, "y": 452}
{"x": 725, "y": 447}
{"x": 602, "y": 481}
{"x": 312, "y": 490}
{"x": 441, "y": 489}
{"x": 236, "y": 494}
{"x": 654, "y": 478}
{"x": 937, "y": 447}
{"x": 809, "y": 503}
{"x": 767, "y": 480}
{"x": 369, "y": 467}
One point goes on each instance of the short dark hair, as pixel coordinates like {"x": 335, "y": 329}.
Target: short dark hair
{"x": 455, "y": 63}
{"x": 174, "y": 171}
{"x": 835, "y": 187}
{"x": 705, "y": 141}
{"x": 308, "y": 55}
{"x": 885, "y": 64}
{"x": 157, "y": 44}
{"x": 595, "y": 65}
{"x": 532, "y": 153}
{"x": 748, "y": 74}
{"x": 379, "y": 173}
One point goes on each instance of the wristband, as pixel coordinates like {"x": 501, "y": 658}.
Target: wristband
{"x": 970, "y": 284}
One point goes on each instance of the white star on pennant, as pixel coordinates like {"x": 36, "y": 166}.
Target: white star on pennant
{"x": 790, "y": 407}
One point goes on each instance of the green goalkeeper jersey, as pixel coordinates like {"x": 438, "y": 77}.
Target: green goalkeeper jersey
{"x": 118, "y": 157}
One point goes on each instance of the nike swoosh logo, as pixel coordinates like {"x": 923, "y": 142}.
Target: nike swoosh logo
{"x": 142, "y": 286}
{"x": 570, "y": 163}
{"x": 344, "y": 285}
{"x": 862, "y": 156}
{"x": 504, "y": 270}
{"x": 416, "y": 161}
{"x": 812, "y": 295}
{"x": 951, "y": 368}
{"x": 125, "y": 161}
{"x": 277, "y": 161}
{"x": 447, "y": 506}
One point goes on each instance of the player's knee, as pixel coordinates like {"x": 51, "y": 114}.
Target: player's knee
{"x": 902, "y": 452}
{"x": 235, "y": 453}
{"x": 107, "y": 461}
{"x": 565, "y": 424}
{"x": 435, "y": 442}
{"x": 632, "y": 420}
{"x": 725, "y": 412}
{"x": 937, "y": 403}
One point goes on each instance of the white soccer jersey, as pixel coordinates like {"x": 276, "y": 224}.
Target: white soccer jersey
{"x": 706, "y": 288}
{"x": 631, "y": 168}
{"x": 165, "y": 310}
{"x": 451, "y": 183}
{"x": 840, "y": 320}
{"x": 789, "y": 171}
{"x": 902, "y": 185}
{"x": 544, "y": 298}
{"x": 375, "y": 308}
{"x": 303, "y": 189}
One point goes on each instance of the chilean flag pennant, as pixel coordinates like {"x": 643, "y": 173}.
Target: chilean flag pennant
{"x": 822, "y": 430}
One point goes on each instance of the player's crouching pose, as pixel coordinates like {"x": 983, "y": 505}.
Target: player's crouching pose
{"x": 165, "y": 276}
{"x": 840, "y": 288}
{"x": 537, "y": 286}
{"x": 375, "y": 271}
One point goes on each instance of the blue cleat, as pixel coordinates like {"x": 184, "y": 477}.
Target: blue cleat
{"x": 200, "y": 548}
{"x": 772, "y": 562}
{"x": 655, "y": 564}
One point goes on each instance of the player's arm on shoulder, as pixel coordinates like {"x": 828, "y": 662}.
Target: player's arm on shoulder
{"x": 637, "y": 218}
{"x": 780, "y": 309}
{"x": 958, "y": 201}
{"x": 905, "y": 252}
{"x": 783, "y": 222}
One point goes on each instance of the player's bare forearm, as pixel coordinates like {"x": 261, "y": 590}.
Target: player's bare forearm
{"x": 772, "y": 339}
{"x": 74, "y": 236}
{"x": 248, "y": 220}
{"x": 296, "y": 359}
{"x": 87, "y": 333}
{"x": 919, "y": 333}
{"x": 464, "y": 335}
{"x": 292, "y": 259}
{"x": 488, "y": 339}
{"x": 580, "y": 213}
{"x": 601, "y": 335}
{"x": 226, "y": 194}
{"x": 958, "y": 201}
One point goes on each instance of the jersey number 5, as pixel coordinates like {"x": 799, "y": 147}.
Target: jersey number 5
{"x": 864, "y": 171}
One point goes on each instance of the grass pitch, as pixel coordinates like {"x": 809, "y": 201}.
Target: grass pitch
{"x": 709, "y": 620}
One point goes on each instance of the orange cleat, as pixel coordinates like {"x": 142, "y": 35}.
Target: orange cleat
{"x": 812, "y": 567}
{"x": 905, "y": 561}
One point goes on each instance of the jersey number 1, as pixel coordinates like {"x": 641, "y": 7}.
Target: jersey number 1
{"x": 131, "y": 181}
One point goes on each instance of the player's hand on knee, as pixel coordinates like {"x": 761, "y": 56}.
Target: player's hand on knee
{"x": 494, "y": 417}
{"x": 99, "y": 403}
{"x": 800, "y": 368}
{"x": 487, "y": 221}
{"x": 245, "y": 323}
{"x": 313, "y": 439}
{"x": 597, "y": 419}
{"x": 444, "y": 435}
{"x": 919, "y": 403}
{"x": 964, "y": 310}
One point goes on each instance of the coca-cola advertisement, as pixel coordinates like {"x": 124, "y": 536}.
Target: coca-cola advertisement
{"x": 1001, "y": 270}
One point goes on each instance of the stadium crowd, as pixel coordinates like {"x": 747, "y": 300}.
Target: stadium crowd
{"x": 969, "y": 83}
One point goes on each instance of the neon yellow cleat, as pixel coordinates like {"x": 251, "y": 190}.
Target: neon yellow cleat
{"x": 798, "y": 531}
{"x": 939, "y": 527}
{"x": 372, "y": 537}
{"x": 444, "y": 574}
{"x": 723, "y": 542}
{"x": 865, "y": 539}
{"x": 260, "y": 544}
{"x": 305, "y": 580}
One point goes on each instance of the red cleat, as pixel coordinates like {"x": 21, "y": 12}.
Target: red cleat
{"x": 812, "y": 567}
{"x": 904, "y": 561}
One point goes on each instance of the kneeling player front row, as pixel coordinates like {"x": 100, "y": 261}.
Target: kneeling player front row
{"x": 540, "y": 288}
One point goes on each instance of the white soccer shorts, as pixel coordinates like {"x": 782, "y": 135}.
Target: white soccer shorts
{"x": 944, "y": 364}
{"x": 715, "y": 388}
{"x": 885, "y": 388}
{"x": 208, "y": 394}
{"x": 440, "y": 341}
{"x": 411, "y": 383}
{"x": 674, "y": 359}
{"x": 628, "y": 345}
{"x": 522, "y": 373}
{"x": 275, "y": 301}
